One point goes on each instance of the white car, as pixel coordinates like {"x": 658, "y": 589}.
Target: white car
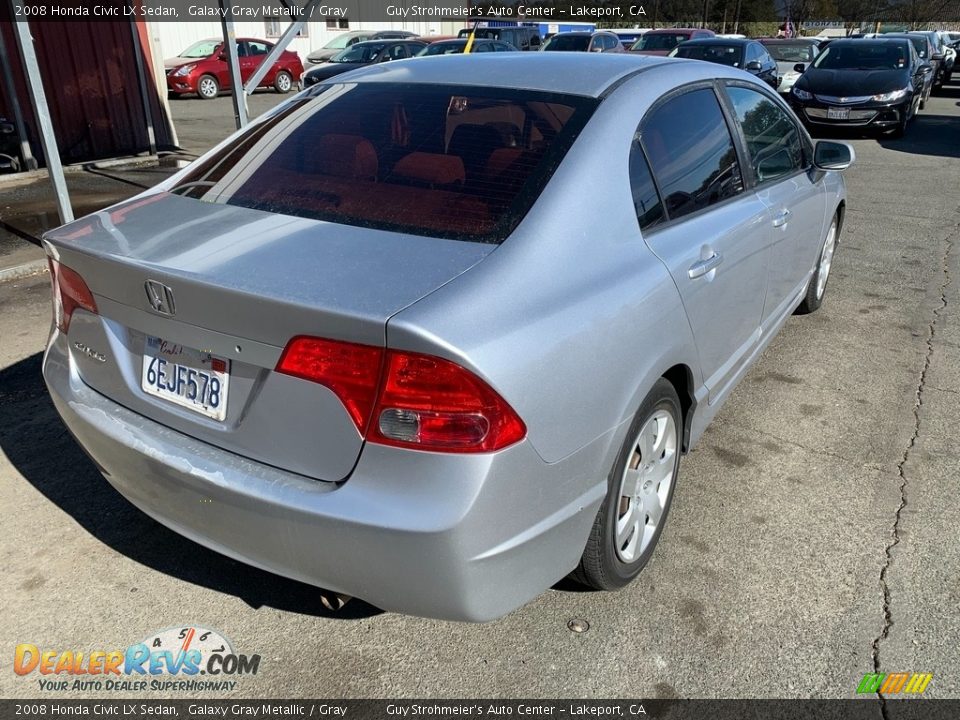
{"x": 793, "y": 56}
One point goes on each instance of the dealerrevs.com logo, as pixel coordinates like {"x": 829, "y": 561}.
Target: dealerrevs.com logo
{"x": 175, "y": 659}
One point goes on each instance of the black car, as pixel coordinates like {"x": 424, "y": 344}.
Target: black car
{"x": 926, "y": 52}
{"x": 361, "y": 54}
{"x": 746, "y": 54}
{"x": 522, "y": 37}
{"x": 345, "y": 40}
{"x": 584, "y": 41}
{"x": 939, "y": 58}
{"x": 863, "y": 84}
{"x": 458, "y": 45}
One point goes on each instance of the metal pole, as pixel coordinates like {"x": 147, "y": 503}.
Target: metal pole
{"x": 42, "y": 113}
{"x": 291, "y": 32}
{"x": 230, "y": 47}
{"x": 142, "y": 81}
{"x": 11, "y": 91}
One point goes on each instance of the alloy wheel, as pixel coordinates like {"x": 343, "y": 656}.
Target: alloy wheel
{"x": 645, "y": 485}
{"x": 826, "y": 258}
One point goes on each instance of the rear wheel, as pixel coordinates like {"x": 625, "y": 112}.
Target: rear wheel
{"x": 640, "y": 490}
{"x": 208, "y": 87}
{"x": 283, "y": 82}
{"x": 817, "y": 286}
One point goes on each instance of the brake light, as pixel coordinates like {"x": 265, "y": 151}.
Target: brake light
{"x": 69, "y": 293}
{"x": 407, "y": 399}
{"x": 434, "y": 404}
{"x": 350, "y": 370}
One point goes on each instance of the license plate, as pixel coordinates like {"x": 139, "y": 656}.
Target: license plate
{"x": 193, "y": 379}
{"x": 838, "y": 113}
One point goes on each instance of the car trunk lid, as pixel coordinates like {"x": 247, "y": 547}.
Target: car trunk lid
{"x": 241, "y": 284}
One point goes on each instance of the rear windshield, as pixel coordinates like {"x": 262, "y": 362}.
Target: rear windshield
{"x": 659, "y": 41}
{"x": 796, "y": 53}
{"x": 443, "y": 161}
{"x": 568, "y": 42}
{"x": 359, "y": 53}
{"x": 444, "y": 48}
{"x": 723, "y": 54}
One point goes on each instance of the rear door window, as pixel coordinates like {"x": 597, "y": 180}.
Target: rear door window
{"x": 443, "y": 161}
{"x": 691, "y": 152}
{"x": 646, "y": 199}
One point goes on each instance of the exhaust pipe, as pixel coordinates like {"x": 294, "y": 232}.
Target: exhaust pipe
{"x": 334, "y": 601}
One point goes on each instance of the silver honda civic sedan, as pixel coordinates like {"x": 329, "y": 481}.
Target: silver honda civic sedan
{"x": 435, "y": 334}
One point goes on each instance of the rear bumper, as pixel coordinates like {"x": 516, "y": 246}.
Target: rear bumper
{"x": 445, "y": 536}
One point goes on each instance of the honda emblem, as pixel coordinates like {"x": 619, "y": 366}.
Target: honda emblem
{"x": 160, "y": 297}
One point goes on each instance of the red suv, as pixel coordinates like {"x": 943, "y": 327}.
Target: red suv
{"x": 202, "y": 68}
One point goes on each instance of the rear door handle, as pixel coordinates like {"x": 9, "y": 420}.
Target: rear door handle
{"x": 781, "y": 219}
{"x": 702, "y": 267}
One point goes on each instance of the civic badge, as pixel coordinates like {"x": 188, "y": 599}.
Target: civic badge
{"x": 160, "y": 297}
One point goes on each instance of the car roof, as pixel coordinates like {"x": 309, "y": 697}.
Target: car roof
{"x": 864, "y": 41}
{"x": 570, "y": 73}
{"x": 675, "y": 30}
{"x": 718, "y": 41}
{"x": 385, "y": 41}
{"x": 790, "y": 41}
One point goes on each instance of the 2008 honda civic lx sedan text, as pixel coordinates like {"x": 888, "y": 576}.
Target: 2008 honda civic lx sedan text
{"x": 435, "y": 334}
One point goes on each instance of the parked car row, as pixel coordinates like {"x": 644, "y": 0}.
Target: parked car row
{"x": 202, "y": 68}
{"x": 875, "y": 82}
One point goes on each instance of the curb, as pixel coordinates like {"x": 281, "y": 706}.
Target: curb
{"x": 34, "y": 267}
{"x": 27, "y": 177}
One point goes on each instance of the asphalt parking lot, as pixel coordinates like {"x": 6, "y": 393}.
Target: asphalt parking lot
{"x": 813, "y": 536}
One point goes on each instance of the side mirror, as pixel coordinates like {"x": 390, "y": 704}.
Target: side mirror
{"x": 799, "y": 67}
{"x": 754, "y": 66}
{"x": 829, "y": 155}
{"x": 223, "y": 56}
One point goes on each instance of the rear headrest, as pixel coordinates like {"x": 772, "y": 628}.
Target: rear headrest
{"x": 430, "y": 168}
{"x": 346, "y": 156}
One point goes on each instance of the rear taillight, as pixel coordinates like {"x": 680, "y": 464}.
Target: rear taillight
{"x": 407, "y": 399}
{"x": 350, "y": 370}
{"x": 69, "y": 293}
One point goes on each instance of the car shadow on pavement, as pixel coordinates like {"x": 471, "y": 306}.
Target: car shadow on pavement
{"x": 937, "y": 135}
{"x": 41, "y": 449}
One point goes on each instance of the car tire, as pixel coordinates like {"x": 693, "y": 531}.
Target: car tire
{"x": 625, "y": 532}
{"x": 816, "y": 289}
{"x": 207, "y": 87}
{"x": 283, "y": 82}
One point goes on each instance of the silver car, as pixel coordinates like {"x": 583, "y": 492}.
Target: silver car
{"x": 436, "y": 334}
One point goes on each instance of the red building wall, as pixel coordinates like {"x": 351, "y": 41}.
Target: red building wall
{"x": 90, "y": 78}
